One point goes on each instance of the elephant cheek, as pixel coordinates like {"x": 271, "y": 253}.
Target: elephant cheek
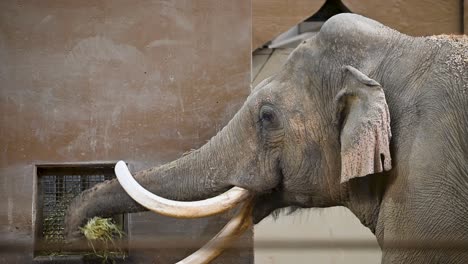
{"x": 253, "y": 178}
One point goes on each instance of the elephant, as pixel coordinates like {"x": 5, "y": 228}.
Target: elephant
{"x": 360, "y": 116}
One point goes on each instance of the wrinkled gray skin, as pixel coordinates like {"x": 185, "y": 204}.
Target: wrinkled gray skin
{"x": 287, "y": 143}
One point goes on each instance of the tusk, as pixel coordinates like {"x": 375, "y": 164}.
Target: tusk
{"x": 177, "y": 209}
{"x": 231, "y": 231}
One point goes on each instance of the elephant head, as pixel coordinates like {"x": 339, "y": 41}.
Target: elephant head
{"x": 299, "y": 139}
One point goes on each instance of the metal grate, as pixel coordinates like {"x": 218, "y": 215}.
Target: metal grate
{"x": 57, "y": 193}
{"x": 57, "y": 186}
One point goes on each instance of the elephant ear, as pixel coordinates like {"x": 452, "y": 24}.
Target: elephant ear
{"x": 365, "y": 126}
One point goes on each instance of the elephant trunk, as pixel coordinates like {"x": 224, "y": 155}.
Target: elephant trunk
{"x": 201, "y": 174}
{"x": 160, "y": 205}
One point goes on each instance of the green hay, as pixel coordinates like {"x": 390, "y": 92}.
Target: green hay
{"x": 104, "y": 231}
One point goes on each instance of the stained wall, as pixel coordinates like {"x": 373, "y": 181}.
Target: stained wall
{"x": 142, "y": 81}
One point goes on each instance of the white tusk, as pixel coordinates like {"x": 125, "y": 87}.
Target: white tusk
{"x": 231, "y": 231}
{"x": 177, "y": 209}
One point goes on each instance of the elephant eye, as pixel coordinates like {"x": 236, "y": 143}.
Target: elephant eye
{"x": 268, "y": 117}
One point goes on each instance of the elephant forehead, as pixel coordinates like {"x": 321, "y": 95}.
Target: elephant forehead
{"x": 350, "y": 24}
{"x": 269, "y": 93}
{"x": 290, "y": 100}
{"x": 352, "y": 29}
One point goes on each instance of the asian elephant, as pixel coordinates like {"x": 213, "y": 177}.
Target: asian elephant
{"x": 360, "y": 116}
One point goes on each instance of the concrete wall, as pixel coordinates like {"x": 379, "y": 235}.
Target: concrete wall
{"x": 143, "y": 81}
{"x": 273, "y": 17}
{"x": 331, "y": 235}
{"x": 270, "y": 18}
{"x": 413, "y": 17}
{"x": 465, "y": 16}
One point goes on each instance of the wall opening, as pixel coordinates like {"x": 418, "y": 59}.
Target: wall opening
{"x": 56, "y": 186}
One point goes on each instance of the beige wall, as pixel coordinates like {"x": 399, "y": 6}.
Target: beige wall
{"x": 270, "y": 18}
{"x": 413, "y": 17}
{"x": 326, "y": 236}
{"x": 465, "y": 16}
{"x": 273, "y": 17}
{"x": 142, "y": 81}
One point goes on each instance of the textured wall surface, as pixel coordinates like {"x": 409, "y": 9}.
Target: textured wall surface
{"x": 412, "y": 17}
{"x": 143, "y": 81}
{"x": 465, "y": 16}
{"x": 270, "y": 18}
{"x": 326, "y": 236}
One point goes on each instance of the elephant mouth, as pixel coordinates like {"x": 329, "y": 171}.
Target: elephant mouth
{"x": 196, "y": 209}
{"x": 266, "y": 204}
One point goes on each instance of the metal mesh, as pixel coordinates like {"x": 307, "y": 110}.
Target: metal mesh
{"x": 57, "y": 191}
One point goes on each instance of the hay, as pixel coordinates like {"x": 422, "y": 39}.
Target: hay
{"x": 103, "y": 231}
